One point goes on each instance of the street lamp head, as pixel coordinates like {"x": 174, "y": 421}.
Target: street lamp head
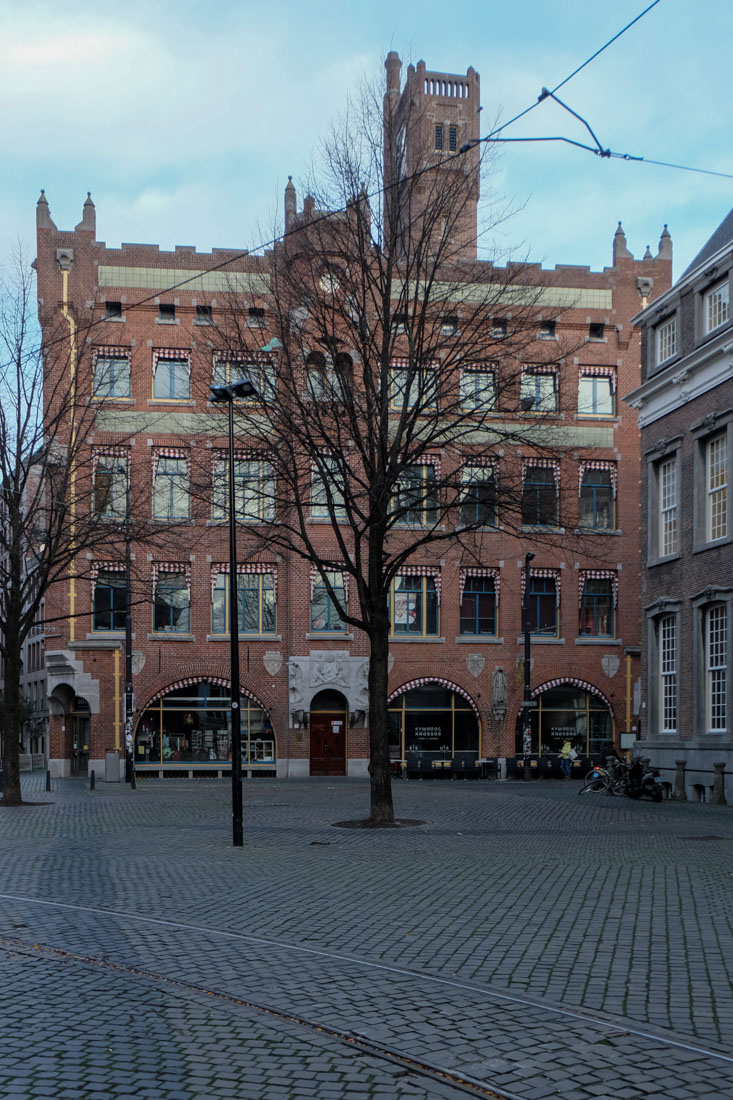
{"x": 225, "y": 394}
{"x": 529, "y": 556}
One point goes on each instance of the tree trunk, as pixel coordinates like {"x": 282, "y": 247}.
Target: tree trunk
{"x": 11, "y": 733}
{"x": 381, "y": 808}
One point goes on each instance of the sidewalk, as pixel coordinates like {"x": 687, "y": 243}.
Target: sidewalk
{"x": 543, "y": 944}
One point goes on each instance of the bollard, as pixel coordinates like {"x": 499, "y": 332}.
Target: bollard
{"x": 680, "y": 783}
{"x": 48, "y": 780}
{"x": 91, "y": 780}
{"x": 717, "y": 798}
{"x": 133, "y": 782}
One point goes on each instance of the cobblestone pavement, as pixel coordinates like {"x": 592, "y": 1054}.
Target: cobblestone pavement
{"x": 529, "y": 941}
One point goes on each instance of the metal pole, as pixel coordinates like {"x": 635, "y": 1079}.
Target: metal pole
{"x": 527, "y": 699}
{"x": 237, "y": 826}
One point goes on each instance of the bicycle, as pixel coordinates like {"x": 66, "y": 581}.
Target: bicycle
{"x": 597, "y": 780}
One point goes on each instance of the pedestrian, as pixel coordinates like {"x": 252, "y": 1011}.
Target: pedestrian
{"x": 566, "y": 755}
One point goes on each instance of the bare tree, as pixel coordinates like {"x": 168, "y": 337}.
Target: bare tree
{"x": 58, "y": 496}
{"x": 397, "y": 379}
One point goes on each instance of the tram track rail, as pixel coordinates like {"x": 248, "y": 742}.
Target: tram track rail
{"x": 412, "y": 1066}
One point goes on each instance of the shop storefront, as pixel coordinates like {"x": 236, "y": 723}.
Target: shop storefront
{"x": 188, "y": 727}
{"x": 435, "y": 721}
{"x": 570, "y": 710}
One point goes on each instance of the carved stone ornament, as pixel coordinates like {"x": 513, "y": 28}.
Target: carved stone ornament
{"x": 610, "y": 664}
{"x": 138, "y": 661}
{"x": 273, "y": 661}
{"x": 475, "y": 664}
{"x": 390, "y": 662}
{"x": 498, "y": 693}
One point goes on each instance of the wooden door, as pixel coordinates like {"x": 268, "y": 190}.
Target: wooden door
{"x": 328, "y": 743}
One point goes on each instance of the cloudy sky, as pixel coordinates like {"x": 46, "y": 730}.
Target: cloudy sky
{"x": 185, "y": 118}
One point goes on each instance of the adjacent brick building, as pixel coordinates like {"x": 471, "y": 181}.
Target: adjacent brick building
{"x": 685, "y": 406}
{"x": 146, "y": 361}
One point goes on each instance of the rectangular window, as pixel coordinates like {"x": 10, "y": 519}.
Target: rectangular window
{"x": 596, "y": 330}
{"x": 716, "y": 306}
{"x": 172, "y": 604}
{"x": 411, "y": 386}
{"x": 453, "y": 138}
{"x": 666, "y": 338}
{"x": 596, "y": 395}
{"x": 204, "y": 315}
{"x": 668, "y": 673}
{"x": 542, "y": 606}
{"x": 111, "y": 376}
{"x": 255, "y": 603}
{"x": 667, "y": 486}
{"x": 478, "y": 497}
{"x": 499, "y": 328}
{"x": 478, "y": 389}
{"x": 478, "y": 606}
{"x": 110, "y": 486}
{"x": 110, "y": 601}
{"x": 596, "y": 507}
{"x": 716, "y": 661}
{"x": 171, "y": 489}
{"x": 538, "y": 391}
{"x": 324, "y": 612}
{"x": 539, "y": 497}
{"x": 254, "y": 490}
{"x": 716, "y": 481}
{"x": 166, "y": 312}
{"x": 113, "y": 311}
{"x": 449, "y": 326}
{"x": 416, "y": 496}
{"x": 256, "y": 317}
{"x": 547, "y": 330}
{"x": 172, "y": 381}
{"x": 261, "y": 374}
{"x": 414, "y": 606}
{"x": 596, "y": 608}
{"x": 327, "y": 498}
{"x": 439, "y": 137}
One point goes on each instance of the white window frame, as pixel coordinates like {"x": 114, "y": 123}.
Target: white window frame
{"x": 667, "y": 657}
{"x": 716, "y": 486}
{"x": 716, "y": 668}
{"x": 716, "y": 306}
{"x": 668, "y": 506}
{"x": 319, "y": 495}
{"x": 665, "y": 339}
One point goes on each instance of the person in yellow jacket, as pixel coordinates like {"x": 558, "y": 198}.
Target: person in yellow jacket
{"x": 566, "y": 755}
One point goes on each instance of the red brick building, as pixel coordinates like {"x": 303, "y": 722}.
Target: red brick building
{"x": 145, "y": 319}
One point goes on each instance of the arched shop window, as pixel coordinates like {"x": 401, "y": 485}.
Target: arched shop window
{"x": 568, "y": 711}
{"x": 434, "y": 722}
{"x": 191, "y": 723}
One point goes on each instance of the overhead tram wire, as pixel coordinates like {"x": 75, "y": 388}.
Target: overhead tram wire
{"x": 379, "y": 191}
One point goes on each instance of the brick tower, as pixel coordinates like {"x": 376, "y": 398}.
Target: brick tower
{"x": 426, "y": 124}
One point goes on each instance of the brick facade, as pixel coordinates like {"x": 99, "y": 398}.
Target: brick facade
{"x": 283, "y": 670}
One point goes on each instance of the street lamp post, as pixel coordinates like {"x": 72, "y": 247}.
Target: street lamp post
{"x": 227, "y": 395}
{"x": 527, "y": 701}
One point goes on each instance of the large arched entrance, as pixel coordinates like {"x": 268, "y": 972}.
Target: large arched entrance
{"x": 570, "y": 710}
{"x": 189, "y": 724}
{"x": 328, "y": 728}
{"x": 435, "y": 722}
